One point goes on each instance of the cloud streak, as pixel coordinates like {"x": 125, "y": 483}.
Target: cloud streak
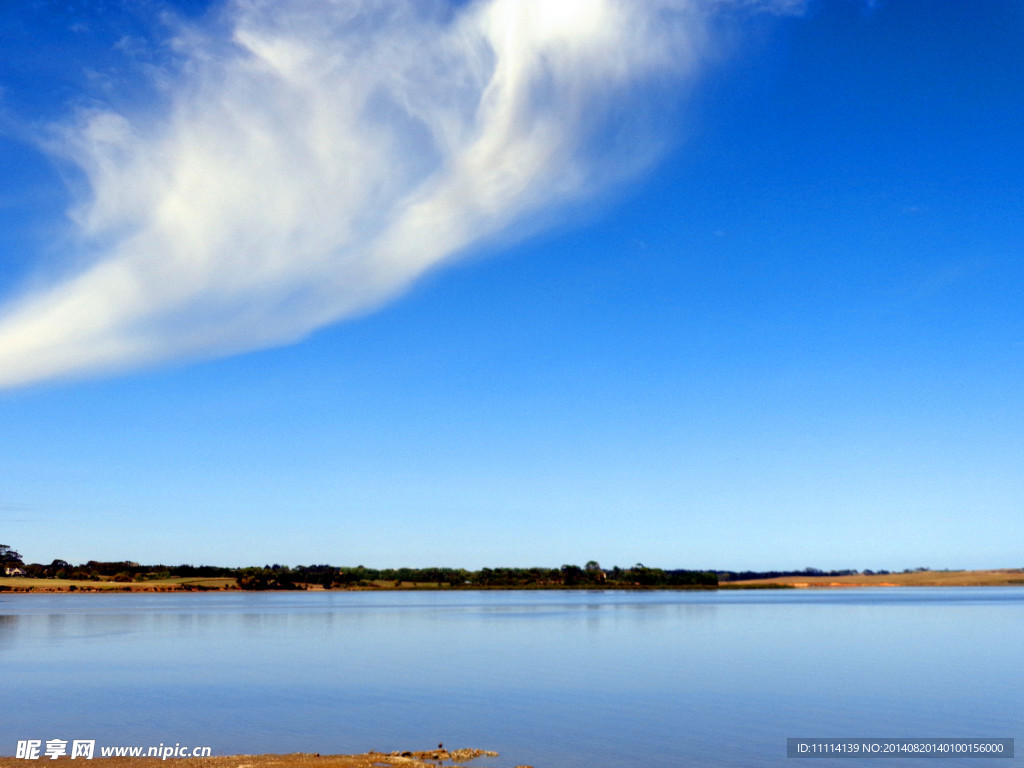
{"x": 312, "y": 158}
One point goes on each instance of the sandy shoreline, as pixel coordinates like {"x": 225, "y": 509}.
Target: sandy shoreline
{"x": 423, "y": 759}
{"x": 997, "y": 577}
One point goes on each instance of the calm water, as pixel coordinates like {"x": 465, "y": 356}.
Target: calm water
{"x": 551, "y": 679}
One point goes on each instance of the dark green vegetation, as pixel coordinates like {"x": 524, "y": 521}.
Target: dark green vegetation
{"x": 589, "y": 576}
{"x": 810, "y": 572}
{"x": 8, "y": 557}
{"x": 132, "y": 576}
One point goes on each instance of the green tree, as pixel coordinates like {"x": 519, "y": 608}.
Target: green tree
{"x": 571, "y": 575}
{"x": 8, "y": 557}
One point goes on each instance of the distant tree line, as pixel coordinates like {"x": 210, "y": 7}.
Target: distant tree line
{"x": 751, "y": 575}
{"x": 125, "y": 570}
{"x": 589, "y": 576}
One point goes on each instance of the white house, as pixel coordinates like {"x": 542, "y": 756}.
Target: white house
{"x": 15, "y": 571}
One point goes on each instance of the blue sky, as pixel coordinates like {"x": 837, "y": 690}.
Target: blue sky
{"x": 710, "y": 285}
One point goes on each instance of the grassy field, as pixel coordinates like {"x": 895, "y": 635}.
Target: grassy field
{"x": 175, "y": 584}
{"x": 179, "y": 584}
{"x": 993, "y": 578}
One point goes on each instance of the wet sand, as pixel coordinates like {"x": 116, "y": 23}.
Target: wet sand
{"x": 422, "y": 759}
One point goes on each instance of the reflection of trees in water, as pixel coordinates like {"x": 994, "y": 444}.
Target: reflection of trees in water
{"x": 7, "y": 628}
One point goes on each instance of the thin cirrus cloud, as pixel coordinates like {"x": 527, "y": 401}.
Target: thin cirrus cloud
{"x": 313, "y": 158}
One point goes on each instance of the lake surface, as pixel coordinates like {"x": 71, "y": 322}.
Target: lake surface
{"x": 549, "y": 679}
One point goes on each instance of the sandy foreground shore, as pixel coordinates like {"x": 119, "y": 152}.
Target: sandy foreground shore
{"x": 425, "y": 759}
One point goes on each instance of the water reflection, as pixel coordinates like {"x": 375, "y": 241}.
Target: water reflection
{"x": 560, "y": 679}
{"x": 8, "y": 628}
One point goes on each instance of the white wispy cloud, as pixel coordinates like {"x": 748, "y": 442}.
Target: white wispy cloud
{"x": 312, "y": 158}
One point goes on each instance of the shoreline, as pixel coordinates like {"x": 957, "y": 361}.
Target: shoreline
{"x": 399, "y": 759}
{"x": 997, "y": 577}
